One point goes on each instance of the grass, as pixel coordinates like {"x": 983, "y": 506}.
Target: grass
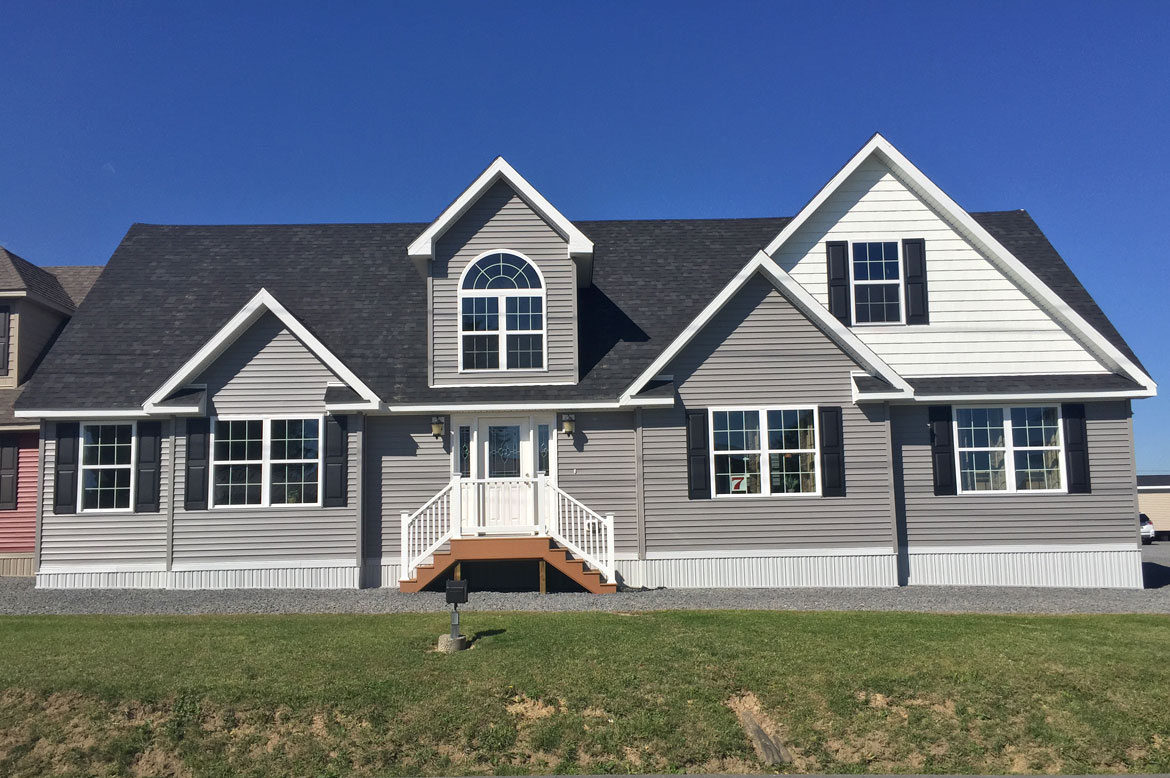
{"x": 540, "y": 693}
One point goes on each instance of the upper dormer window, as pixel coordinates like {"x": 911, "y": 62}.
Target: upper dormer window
{"x": 877, "y": 283}
{"x": 501, "y": 314}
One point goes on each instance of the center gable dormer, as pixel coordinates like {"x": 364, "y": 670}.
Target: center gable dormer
{"x": 503, "y": 267}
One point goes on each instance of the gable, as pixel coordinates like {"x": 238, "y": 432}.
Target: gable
{"x": 981, "y": 321}
{"x": 267, "y": 370}
{"x": 760, "y": 348}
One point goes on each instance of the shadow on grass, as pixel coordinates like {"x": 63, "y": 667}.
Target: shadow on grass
{"x": 486, "y": 633}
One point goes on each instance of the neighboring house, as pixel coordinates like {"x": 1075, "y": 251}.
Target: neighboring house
{"x": 1154, "y": 501}
{"x": 35, "y": 303}
{"x": 883, "y": 389}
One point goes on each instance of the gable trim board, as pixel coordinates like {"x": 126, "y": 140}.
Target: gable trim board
{"x": 971, "y": 229}
{"x": 422, "y": 248}
{"x": 804, "y": 302}
{"x": 262, "y": 303}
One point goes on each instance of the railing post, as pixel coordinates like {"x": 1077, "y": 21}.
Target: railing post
{"x": 405, "y": 574}
{"x": 610, "y": 573}
{"x": 456, "y": 508}
{"x": 539, "y": 498}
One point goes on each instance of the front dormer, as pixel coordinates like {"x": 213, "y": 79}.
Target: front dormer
{"x": 503, "y": 267}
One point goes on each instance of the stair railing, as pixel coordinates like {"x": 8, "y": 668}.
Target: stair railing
{"x": 585, "y": 533}
{"x": 426, "y": 530}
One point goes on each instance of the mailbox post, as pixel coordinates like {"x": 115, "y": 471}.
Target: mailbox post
{"x": 456, "y": 596}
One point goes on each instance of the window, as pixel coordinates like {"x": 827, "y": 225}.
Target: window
{"x": 501, "y": 319}
{"x": 877, "y": 283}
{"x": 266, "y": 462}
{"x": 107, "y": 466}
{"x": 1010, "y": 449}
{"x": 767, "y": 452}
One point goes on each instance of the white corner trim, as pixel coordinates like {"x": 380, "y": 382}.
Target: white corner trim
{"x": 798, "y": 296}
{"x": 996, "y": 251}
{"x": 261, "y": 303}
{"x": 424, "y": 245}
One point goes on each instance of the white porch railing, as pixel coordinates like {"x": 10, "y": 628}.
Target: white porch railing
{"x": 482, "y": 506}
{"x": 426, "y": 530}
{"x": 584, "y": 532}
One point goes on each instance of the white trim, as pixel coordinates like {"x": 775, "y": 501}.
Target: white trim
{"x": 995, "y": 251}
{"x": 127, "y": 567}
{"x": 1009, "y": 449}
{"x": 561, "y": 405}
{"x": 261, "y": 303}
{"x": 1024, "y": 548}
{"x": 1153, "y": 488}
{"x": 753, "y": 553}
{"x": 510, "y": 384}
{"x": 501, "y": 332}
{"x": 264, "y": 564}
{"x": 1033, "y": 396}
{"x": 80, "y": 413}
{"x": 798, "y": 296}
{"x": 423, "y": 247}
{"x": 82, "y": 467}
{"x": 764, "y": 451}
{"x": 266, "y": 461}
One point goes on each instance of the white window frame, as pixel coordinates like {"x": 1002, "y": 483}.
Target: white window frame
{"x": 1009, "y": 449}
{"x": 82, "y": 467}
{"x": 266, "y": 461}
{"x": 473, "y": 422}
{"x": 901, "y": 282}
{"x": 502, "y": 331}
{"x": 764, "y": 451}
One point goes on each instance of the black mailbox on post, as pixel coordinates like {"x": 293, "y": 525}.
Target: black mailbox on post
{"x": 456, "y": 592}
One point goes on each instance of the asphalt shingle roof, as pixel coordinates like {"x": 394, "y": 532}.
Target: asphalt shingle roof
{"x": 76, "y": 280}
{"x": 167, "y": 289}
{"x": 20, "y": 275}
{"x": 1023, "y": 384}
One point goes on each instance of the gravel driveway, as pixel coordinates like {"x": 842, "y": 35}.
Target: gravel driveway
{"x": 17, "y": 596}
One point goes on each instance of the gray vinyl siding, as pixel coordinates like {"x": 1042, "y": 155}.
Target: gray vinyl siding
{"x": 33, "y": 328}
{"x": 502, "y": 220}
{"x": 598, "y": 467}
{"x": 95, "y": 539}
{"x": 1107, "y": 515}
{"x": 760, "y": 350}
{"x": 267, "y": 370}
{"x": 405, "y": 467}
{"x": 11, "y": 378}
{"x": 237, "y": 535}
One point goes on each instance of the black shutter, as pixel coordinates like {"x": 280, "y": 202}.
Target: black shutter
{"x": 914, "y": 271}
{"x": 4, "y": 340}
{"x": 146, "y": 480}
{"x": 837, "y": 260}
{"x": 198, "y": 451}
{"x": 9, "y": 457}
{"x": 65, "y": 478}
{"x": 698, "y": 464}
{"x": 1076, "y": 448}
{"x": 335, "y": 462}
{"x": 942, "y": 450}
{"x": 832, "y": 452}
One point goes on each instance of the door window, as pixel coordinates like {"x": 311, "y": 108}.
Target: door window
{"x": 504, "y": 451}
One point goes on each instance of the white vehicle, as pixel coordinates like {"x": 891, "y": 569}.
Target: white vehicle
{"x": 1147, "y": 530}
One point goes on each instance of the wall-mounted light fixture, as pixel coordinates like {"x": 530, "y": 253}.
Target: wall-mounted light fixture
{"x": 568, "y": 423}
{"x": 437, "y": 426}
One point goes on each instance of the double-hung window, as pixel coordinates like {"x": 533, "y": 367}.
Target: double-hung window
{"x": 501, "y": 314}
{"x": 1010, "y": 449}
{"x": 765, "y": 451}
{"x": 266, "y": 462}
{"x": 107, "y": 467}
{"x": 876, "y": 275}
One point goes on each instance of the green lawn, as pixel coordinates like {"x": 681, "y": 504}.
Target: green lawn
{"x": 341, "y": 695}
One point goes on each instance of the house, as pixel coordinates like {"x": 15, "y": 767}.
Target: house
{"x": 35, "y": 304}
{"x": 1154, "y": 501}
{"x": 883, "y": 389}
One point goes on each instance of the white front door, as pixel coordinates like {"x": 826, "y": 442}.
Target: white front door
{"x": 508, "y": 498}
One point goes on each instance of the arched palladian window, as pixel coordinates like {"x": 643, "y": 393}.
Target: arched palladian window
{"x": 501, "y": 314}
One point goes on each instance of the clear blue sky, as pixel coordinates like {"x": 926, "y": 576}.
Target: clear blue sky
{"x": 203, "y": 113}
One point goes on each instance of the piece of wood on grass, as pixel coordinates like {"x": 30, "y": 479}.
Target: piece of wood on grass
{"x": 756, "y": 726}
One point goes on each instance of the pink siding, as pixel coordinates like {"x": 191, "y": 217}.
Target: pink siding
{"x": 18, "y": 527}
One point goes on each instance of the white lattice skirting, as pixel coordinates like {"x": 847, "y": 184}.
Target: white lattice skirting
{"x": 763, "y": 569}
{"x": 292, "y": 576}
{"x": 1111, "y": 566}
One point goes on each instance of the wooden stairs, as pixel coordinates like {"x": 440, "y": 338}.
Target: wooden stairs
{"x": 508, "y": 550}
